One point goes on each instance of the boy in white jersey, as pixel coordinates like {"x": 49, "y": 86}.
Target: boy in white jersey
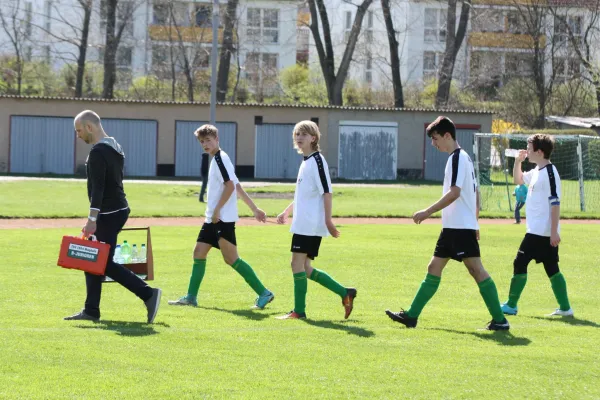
{"x": 311, "y": 221}
{"x": 460, "y": 233}
{"x": 543, "y": 224}
{"x": 221, "y": 214}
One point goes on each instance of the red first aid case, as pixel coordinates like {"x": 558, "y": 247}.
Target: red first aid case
{"x": 85, "y": 255}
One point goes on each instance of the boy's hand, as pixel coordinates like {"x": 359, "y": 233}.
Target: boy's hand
{"x": 216, "y": 217}
{"x": 260, "y": 215}
{"x": 420, "y": 216}
{"x": 332, "y": 229}
{"x": 554, "y": 239}
{"x": 282, "y": 218}
{"x": 522, "y": 155}
{"x": 477, "y": 236}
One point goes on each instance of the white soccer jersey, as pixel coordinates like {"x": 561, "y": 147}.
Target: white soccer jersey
{"x": 309, "y": 209}
{"x": 462, "y": 213}
{"x": 221, "y": 170}
{"x": 544, "y": 192}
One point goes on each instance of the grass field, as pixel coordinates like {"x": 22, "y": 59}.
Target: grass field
{"x": 39, "y": 199}
{"x": 222, "y": 349}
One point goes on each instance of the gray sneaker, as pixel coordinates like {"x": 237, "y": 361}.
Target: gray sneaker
{"x": 152, "y": 304}
{"x": 184, "y": 301}
{"x": 81, "y": 316}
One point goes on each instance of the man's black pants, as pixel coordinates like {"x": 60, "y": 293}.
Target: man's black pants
{"x": 108, "y": 227}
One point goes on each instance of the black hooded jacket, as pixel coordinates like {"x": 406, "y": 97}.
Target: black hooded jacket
{"x": 105, "y": 169}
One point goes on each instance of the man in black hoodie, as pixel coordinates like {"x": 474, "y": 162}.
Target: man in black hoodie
{"x": 107, "y": 216}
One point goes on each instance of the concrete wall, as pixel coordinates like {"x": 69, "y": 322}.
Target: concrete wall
{"x": 411, "y": 125}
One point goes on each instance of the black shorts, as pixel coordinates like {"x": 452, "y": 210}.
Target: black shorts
{"x": 457, "y": 244}
{"x": 538, "y": 248}
{"x": 308, "y": 245}
{"x": 211, "y": 233}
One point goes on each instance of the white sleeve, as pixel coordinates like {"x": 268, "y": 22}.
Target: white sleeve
{"x": 527, "y": 177}
{"x": 226, "y": 169}
{"x": 554, "y": 186}
{"x": 458, "y": 170}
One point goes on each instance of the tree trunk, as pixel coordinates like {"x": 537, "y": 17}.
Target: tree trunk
{"x": 540, "y": 84}
{"x": 226, "y": 50}
{"x": 394, "y": 57}
{"x": 110, "y": 50}
{"x": 454, "y": 39}
{"x": 85, "y": 29}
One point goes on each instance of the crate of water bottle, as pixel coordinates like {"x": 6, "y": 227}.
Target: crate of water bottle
{"x": 134, "y": 251}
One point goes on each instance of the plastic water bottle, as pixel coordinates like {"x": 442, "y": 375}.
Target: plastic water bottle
{"x": 511, "y": 153}
{"x": 117, "y": 257}
{"x": 126, "y": 252}
{"x": 142, "y": 255}
{"x": 134, "y": 254}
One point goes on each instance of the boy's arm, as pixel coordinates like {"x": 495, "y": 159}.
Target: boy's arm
{"x": 554, "y": 219}
{"x": 517, "y": 173}
{"x": 282, "y": 218}
{"x": 328, "y": 204}
{"x": 259, "y": 214}
{"x": 447, "y": 199}
{"x": 227, "y": 192}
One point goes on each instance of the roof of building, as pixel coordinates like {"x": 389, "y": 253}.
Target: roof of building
{"x": 582, "y": 122}
{"x": 346, "y": 108}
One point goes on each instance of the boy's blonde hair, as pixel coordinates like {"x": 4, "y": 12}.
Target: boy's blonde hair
{"x": 310, "y": 128}
{"x": 206, "y": 130}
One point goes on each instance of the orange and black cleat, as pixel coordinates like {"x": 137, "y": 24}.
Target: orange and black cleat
{"x": 348, "y": 301}
{"x": 293, "y": 315}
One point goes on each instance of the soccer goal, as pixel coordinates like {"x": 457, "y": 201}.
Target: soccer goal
{"x": 577, "y": 159}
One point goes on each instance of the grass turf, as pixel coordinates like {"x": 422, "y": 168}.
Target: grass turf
{"x": 222, "y": 349}
{"x": 39, "y": 199}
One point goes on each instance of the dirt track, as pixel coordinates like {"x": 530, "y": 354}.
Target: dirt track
{"x": 35, "y": 223}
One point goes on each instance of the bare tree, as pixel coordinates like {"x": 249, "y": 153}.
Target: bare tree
{"x": 394, "y": 57}
{"x": 582, "y": 34}
{"x": 16, "y": 23}
{"x": 227, "y": 48}
{"x": 334, "y": 81}
{"x": 454, "y": 39}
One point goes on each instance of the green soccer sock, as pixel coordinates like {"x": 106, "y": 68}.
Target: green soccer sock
{"x": 196, "y": 279}
{"x": 249, "y": 276}
{"x": 559, "y": 287}
{"x": 322, "y": 278}
{"x": 428, "y": 288}
{"x": 517, "y": 284}
{"x": 300, "y": 288}
{"x": 488, "y": 291}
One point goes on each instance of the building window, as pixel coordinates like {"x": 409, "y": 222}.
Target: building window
{"x": 566, "y": 68}
{"x": 369, "y": 68}
{"x": 125, "y": 16}
{"x": 369, "y": 31}
{"x": 561, "y": 31}
{"x": 435, "y": 25}
{"x": 487, "y": 20}
{"x": 123, "y": 57}
{"x": 515, "y": 22}
{"x": 518, "y": 64}
{"x": 28, "y": 19}
{"x": 431, "y": 60}
{"x": 261, "y": 68}
{"x": 201, "y": 58}
{"x": 203, "y": 15}
{"x": 347, "y": 26}
{"x": 263, "y": 25}
{"x": 160, "y": 14}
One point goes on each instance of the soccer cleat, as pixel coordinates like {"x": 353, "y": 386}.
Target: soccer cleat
{"x": 560, "y": 313}
{"x": 403, "y": 318}
{"x": 508, "y": 310}
{"x": 184, "y": 301}
{"x": 81, "y": 316}
{"x": 263, "y": 299}
{"x": 152, "y": 304}
{"x": 498, "y": 326}
{"x": 293, "y": 315}
{"x": 348, "y": 301}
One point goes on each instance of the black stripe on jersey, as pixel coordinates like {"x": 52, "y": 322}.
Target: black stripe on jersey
{"x": 552, "y": 180}
{"x": 322, "y": 175}
{"x": 455, "y": 156}
{"x": 222, "y": 168}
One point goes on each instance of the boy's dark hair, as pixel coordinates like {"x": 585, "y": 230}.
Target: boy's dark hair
{"x": 206, "y": 130}
{"x": 542, "y": 142}
{"x": 440, "y": 126}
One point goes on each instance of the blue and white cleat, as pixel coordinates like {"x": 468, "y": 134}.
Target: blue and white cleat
{"x": 508, "y": 310}
{"x": 263, "y": 299}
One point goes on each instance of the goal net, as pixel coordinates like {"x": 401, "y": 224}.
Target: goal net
{"x": 577, "y": 159}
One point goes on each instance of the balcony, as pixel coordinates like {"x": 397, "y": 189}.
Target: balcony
{"x": 193, "y": 34}
{"x": 509, "y": 2}
{"x": 503, "y": 40}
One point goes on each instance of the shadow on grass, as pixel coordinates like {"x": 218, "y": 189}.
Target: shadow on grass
{"x": 256, "y": 315}
{"x": 570, "y": 321}
{"x": 504, "y": 338}
{"x": 351, "y": 330}
{"x": 125, "y": 328}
